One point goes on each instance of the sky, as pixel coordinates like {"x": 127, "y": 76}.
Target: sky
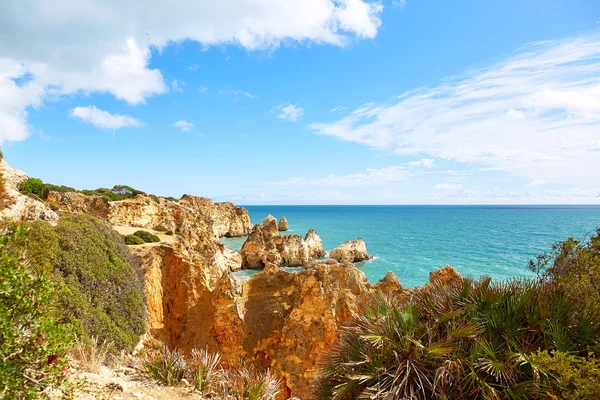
{"x": 307, "y": 102}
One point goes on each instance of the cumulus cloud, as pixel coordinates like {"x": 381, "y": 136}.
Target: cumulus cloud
{"x": 290, "y": 112}
{"x": 183, "y": 125}
{"x": 104, "y": 119}
{"x": 69, "y": 46}
{"x": 535, "y": 114}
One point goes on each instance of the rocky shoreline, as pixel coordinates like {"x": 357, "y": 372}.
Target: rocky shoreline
{"x": 280, "y": 320}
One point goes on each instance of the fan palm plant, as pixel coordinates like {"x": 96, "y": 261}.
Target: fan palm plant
{"x": 467, "y": 339}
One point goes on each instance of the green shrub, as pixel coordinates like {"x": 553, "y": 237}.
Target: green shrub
{"x": 32, "y": 342}
{"x": 469, "y": 339}
{"x": 32, "y": 186}
{"x": 147, "y": 237}
{"x": 574, "y": 267}
{"x": 133, "y": 240}
{"x": 117, "y": 193}
{"x": 100, "y": 290}
{"x": 160, "y": 228}
{"x": 576, "y": 378}
{"x": 54, "y": 188}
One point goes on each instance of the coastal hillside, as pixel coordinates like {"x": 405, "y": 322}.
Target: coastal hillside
{"x": 122, "y": 287}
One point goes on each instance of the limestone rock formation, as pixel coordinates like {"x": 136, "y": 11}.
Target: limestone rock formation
{"x": 264, "y": 246}
{"x": 314, "y": 244}
{"x": 351, "y": 251}
{"x": 282, "y": 225}
{"x": 270, "y": 222}
{"x": 445, "y": 276}
{"x": 223, "y": 219}
{"x": 79, "y": 203}
{"x": 17, "y": 206}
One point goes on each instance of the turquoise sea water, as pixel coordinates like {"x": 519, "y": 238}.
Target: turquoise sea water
{"x": 415, "y": 240}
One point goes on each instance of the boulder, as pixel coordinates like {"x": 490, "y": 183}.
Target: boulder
{"x": 282, "y": 225}
{"x": 264, "y": 246}
{"x": 351, "y": 251}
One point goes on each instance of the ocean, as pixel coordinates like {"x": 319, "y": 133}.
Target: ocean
{"x": 412, "y": 241}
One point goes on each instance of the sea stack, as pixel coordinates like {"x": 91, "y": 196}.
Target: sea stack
{"x": 270, "y": 222}
{"x": 282, "y": 225}
{"x": 351, "y": 251}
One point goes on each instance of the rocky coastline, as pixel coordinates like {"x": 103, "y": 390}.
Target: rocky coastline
{"x": 280, "y": 320}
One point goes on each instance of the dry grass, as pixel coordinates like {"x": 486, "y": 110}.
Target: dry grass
{"x": 205, "y": 374}
{"x": 91, "y": 356}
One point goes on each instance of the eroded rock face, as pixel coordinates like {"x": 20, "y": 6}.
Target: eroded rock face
{"x": 223, "y": 219}
{"x": 79, "y": 203}
{"x": 265, "y": 246}
{"x": 20, "y": 207}
{"x": 445, "y": 276}
{"x": 270, "y": 222}
{"x": 314, "y": 245}
{"x": 282, "y": 225}
{"x": 351, "y": 251}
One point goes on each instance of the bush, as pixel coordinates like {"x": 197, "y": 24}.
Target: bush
{"x": 54, "y": 188}
{"x": 100, "y": 290}
{"x": 160, "y": 228}
{"x": 32, "y": 342}
{"x": 133, "y": 240}
{"x": 147, "y": 237}
{"x": 574, "y": 267}
{"x": 577, "y": 378}
{"x": 466, "y": 339}
{"x": 33, "y": 186}
{"x": 117, "y": 193}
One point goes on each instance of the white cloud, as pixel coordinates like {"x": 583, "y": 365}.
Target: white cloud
{"x": 203, "y": 89}
{"x": 70, "y": 46}
{"x": 338, "y": 108}
{"x": 185, "y": 126}
{"x": 448, "y": 186}
{"x": 399, "y": 3}
{"x": 535, "y": 114}
{"x": 289, "y": 112}
{"x": 176, "y": 87}
{"x": 104, "y": 119}
{"x": 369, "y": 177}
{"x": 235, "y": 93}
{"x": 423, "y": 163}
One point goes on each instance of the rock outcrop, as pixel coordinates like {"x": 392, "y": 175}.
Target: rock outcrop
{"x": 270, "y": 222}
{"x": 445, "y": 276}
{"x": 224, "y": 219}
{"x": 314, "y": 245}
{"x": 17, "y": 206}
{"x": 282, "y": 225}
{"x": 283, "y": 321}
{"x": 265, "y": 246}
{"x": 351, "y": 251}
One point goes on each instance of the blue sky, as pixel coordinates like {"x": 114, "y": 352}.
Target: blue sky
{"x": 315, "y": 102}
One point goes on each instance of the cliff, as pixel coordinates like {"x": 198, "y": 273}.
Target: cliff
{"x": 280, "y": 320}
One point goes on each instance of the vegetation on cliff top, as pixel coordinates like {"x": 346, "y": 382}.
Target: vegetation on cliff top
{"x": 519, "y": 339}
{"x": 36, "y": 187}
{"x": 100, "y": 289}
{"x": 32, "y": 342}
